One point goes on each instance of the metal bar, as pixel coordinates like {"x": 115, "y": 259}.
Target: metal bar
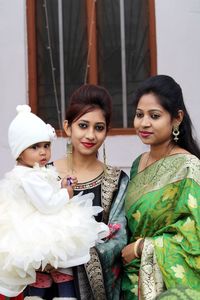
{"x": 123, "y": 63}
{"x": 61, "y": 59}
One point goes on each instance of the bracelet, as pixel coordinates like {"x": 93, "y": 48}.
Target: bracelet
{"x": 135, "y": 248}
{"x": 140, "y": 247}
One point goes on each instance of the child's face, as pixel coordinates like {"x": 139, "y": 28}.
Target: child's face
{"x": 38, "y": 153}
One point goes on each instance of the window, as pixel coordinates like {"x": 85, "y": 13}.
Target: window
{"x": 72, "y": 42}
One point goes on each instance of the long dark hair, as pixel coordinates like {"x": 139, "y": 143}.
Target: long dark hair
{"x": 170, "y": 97}
{"x": 87, "y": 98}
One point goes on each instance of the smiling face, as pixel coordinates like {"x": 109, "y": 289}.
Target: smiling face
{"x": 153, "y": 124}
{"x": 87, "y": 133}
{"x": 38, "y": 153}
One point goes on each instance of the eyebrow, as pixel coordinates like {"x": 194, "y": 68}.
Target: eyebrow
{"x": 151, "y": 110}
{"x": 82, "y": 120}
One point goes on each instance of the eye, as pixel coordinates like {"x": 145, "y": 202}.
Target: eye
{"x": 34, "y": 147}
{"x": 155, "y": 116}
{"x": 82, "y": 125}
{"x": 139, "y": 114}
{"x": 100, "y": 127}
{"x": 47, "y": 145}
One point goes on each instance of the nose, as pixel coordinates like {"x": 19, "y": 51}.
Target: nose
{"x": 145, "y": 122}
{"x": 90, "y": 134}
{"x": 42, "y": 151}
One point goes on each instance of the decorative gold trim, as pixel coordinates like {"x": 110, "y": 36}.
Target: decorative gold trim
{"x": 89, "y": 184}
{"x": 151, "y": 283}
{"x": 93, "y": 267}
{"x": 95, "y": 276}
{"x": 109, "y": 185}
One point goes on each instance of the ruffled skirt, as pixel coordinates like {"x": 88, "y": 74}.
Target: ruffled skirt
{"x": 30, "y": 240}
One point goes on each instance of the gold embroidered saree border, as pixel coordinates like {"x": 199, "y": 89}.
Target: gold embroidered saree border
{"x": 165, "y": 171}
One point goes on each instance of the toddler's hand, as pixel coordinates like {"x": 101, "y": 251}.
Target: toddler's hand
{"x": 69, "y": 182}
{"x": 73, "y": 181}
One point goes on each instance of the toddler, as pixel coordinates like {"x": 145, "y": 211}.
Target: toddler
{"x": 42, "y": 226}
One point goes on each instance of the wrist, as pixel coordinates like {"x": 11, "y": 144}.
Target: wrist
{"x": 138, "y": 247}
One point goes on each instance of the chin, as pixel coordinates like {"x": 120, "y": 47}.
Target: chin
{"x": 146, "y": 142}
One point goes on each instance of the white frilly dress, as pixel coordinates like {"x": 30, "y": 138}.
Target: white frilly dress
{"x": 40, "y": 225}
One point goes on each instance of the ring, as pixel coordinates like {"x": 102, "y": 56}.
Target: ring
{"x": 69, "y": 181}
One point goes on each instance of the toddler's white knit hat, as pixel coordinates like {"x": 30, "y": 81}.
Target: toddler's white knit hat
{"x": 27, "y": 129}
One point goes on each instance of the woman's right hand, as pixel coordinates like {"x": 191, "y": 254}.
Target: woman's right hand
{"x": 128, "y": 253}
{"x": 132, "y": 251}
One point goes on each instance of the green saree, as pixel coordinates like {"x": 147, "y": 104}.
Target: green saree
{"x": 163, "y": 206}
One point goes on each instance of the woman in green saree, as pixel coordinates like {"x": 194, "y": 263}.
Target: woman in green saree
{"x": 163, "y": 198}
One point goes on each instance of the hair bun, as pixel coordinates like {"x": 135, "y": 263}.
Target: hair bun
{"x": 23, "y": 108}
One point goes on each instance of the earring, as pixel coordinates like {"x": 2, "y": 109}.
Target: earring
{"x": 69, "y": 146}
{"x": 104, "y": 154}
{"x": 176, "y": 132}
{"x": 69, "y": 154}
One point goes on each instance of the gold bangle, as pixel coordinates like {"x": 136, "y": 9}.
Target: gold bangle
{"x": 135, "y": 248}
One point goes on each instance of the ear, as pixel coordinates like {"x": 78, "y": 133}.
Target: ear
{"x": 179, "y": 118}
{"x": 67, "y": 128}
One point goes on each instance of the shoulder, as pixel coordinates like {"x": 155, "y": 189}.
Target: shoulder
{"x": 192, "y": 159}
{"x": 135, "y": 165}
{"x": 116, "y": 171}
{"x": 61, "y": 166}
{"x": 58, "y": 164}
{"x": 115, "y": 176}
{"x": 40, "y": 173}
{"x": 191, "y": 163}
{"x": 184, "y": 166}
{"x": 13, "y": 178}
{"x": 185, "y": 160}
{"x": 17, "y": 172}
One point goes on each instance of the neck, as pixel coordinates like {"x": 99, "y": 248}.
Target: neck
{"x": 80, "y": 162}
{"x": 86, "y": 168}
{"x": 159, "y": 151}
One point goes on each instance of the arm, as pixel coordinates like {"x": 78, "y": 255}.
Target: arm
{"x": 43, "y": 191}
{"x": 132, "y": 251}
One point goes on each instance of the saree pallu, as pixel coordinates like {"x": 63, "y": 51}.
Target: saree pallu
{"x": 163, "y": 206}
{"x": 101, "y": 279}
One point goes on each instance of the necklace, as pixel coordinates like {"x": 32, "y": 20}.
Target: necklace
{"x": 147, "y": 181}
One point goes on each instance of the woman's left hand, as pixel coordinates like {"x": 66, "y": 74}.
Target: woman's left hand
{"x": 128, "y": 253}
